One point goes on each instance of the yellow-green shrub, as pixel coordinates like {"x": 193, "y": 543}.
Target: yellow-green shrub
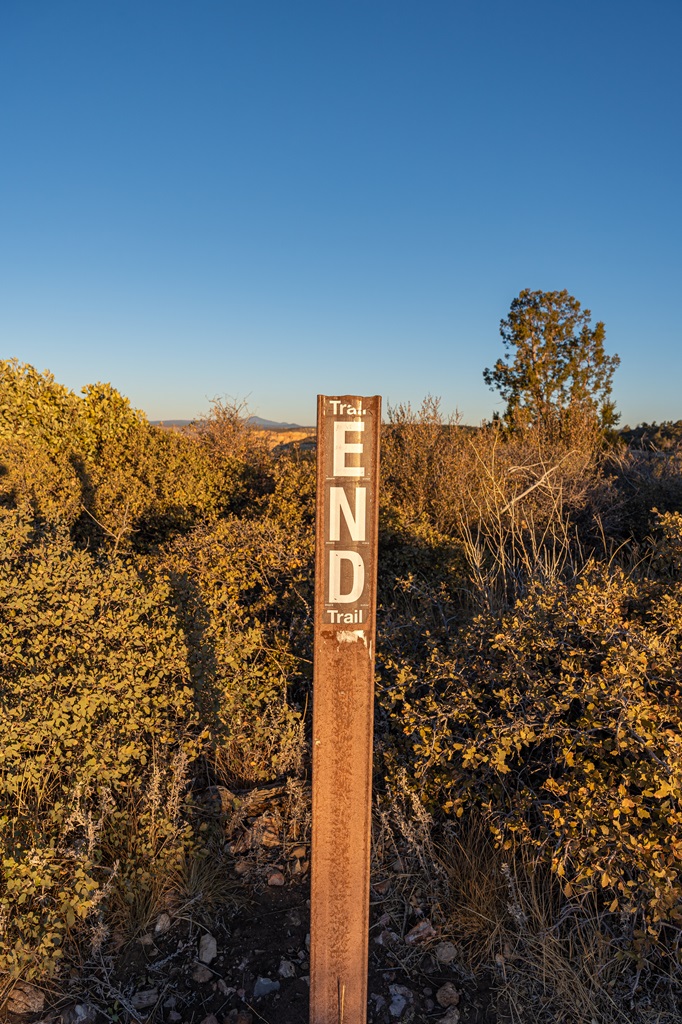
{"x": 564, "y": 718}
{"x": 245, "y": 586}
{"x": 96, "y": 465}
{"x": 97, "y": 712}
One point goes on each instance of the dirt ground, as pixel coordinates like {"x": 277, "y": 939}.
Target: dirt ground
{"x": 263, "y": 945}
{"x": 244, "y": 957}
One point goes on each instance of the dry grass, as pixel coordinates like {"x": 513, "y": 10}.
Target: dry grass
{"x": 551, "y": 959}
{"x": 556, "y": 960}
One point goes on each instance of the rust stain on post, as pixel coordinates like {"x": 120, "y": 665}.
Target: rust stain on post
{"x": 343, "y": 704}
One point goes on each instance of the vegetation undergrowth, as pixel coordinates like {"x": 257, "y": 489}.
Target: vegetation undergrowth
{"x": 156, "y": 645}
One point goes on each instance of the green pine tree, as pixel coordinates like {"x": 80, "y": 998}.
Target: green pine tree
{"x": 554, "y": 364}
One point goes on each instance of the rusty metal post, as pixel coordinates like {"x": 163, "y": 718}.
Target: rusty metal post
{"x": 343, "y": 705}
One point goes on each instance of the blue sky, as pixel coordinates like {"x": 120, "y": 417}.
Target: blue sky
{"x": 269, "y": 200}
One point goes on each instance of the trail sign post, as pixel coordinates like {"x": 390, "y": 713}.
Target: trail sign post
{"x": 343, "y": 704}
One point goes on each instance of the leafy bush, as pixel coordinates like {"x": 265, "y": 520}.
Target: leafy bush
{"x": 98, "y": 718}
{"x": 245, "y": 587}
{"x": 97, "y": 466}
{"x": 563, "y": 718}
{"x": 156, "y": 600}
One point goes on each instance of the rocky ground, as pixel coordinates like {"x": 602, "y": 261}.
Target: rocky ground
{"x": 249, "y": 960}
{"x": 252, "y": 966}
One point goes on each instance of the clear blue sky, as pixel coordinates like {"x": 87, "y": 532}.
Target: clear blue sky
{"x": 274, "y": 198}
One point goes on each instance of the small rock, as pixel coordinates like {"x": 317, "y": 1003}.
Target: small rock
{"x": 224, "y": 988}
{"x": 445, "y": 952}
{"x": 378, "y": 1001}
{"x": 294, "y": 919}
{"x": 86, "y": 1013}
{"x": 244, "y": 1017}
{"x": 146, "y": 940}
{"x": 202, "y": 974}
{"x": 421, "y": 931}
{"x": 163, "y": 924}
{"x": 174, "y": 1017}
{"x": 305, "y": 866}
{"x": 381, "y": 888}
{"x": 276, "y": 878}
{"x": 287, "y": 969}
{"x": 264, "y": 987}
{"x": 447, "y": 995}
{"x": 242, "y": 867}
{"x": 397, "y": 1005}
{"x": 298, "y": 852}
{"x": 451, "y": 1017}
{"x": 145, "y": 998}
{"x": 400, "y": 997}
{"x": 81, "y": 1013}
{"x": 26, "y": 998}
{"x": 208, "y": 948}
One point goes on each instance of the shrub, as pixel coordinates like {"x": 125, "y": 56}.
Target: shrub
{"x": 244, "y": 585}
{"x": 563, "y": 718}
{"x": 98, "y": 720}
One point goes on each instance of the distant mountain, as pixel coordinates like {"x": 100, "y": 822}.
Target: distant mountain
{"x": 258, "y": 421}
{"x": 254, "y": 421}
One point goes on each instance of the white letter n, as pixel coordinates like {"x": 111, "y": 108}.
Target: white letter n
{"x": 338, "y": 503}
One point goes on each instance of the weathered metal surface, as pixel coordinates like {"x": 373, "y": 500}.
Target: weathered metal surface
{"x": 343, "y": 705}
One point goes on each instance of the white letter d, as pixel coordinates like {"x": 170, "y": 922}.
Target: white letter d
{"x": 354, "y": 594}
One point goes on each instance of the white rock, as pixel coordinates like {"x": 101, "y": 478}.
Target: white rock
{"x": 400, "y": 997}
{"x": 445, "y": 952}
{"x": 208, "y": 948}
{"x": 287, "y": 969}
{"x": 451, "y": 1017}
{"x": 86, "y": 1013}
{"x": 397, "y": 1005}
{"x": 162, "y": 925}
{"x": 264, "y": 987}
{"x": 80, "y": 1013}
{"x": 422, "y": 931}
